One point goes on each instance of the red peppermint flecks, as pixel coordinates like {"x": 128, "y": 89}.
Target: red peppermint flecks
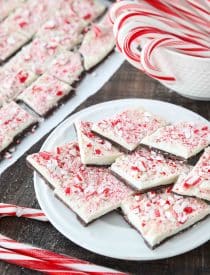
{"x": 97, "y": 31}
{"x": 188, "y": 183}
{"x": 68, "y": 191}
{"x": 157, "y": 213}
{"x": 135, "y": 168}
{"x": 45, "y": 155}
{"x": 90, "y": 134}
{"x": 58, "y": 150}
{"x": 87, "y": 16}
{"x": 115, "y": 122}
{"x": 98, "y": 151}
{"x": 89, "y": 145}
{"x": 188, "y": 210}
{"x": 205, "y": 128}
{"x": 79, "y": 177}
{"x": 23, "y": 24}
{"x": 22, "y": 77}
{"x": 59, "y": 93}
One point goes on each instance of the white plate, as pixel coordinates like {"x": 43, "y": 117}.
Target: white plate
{"x": 111, "y": 236}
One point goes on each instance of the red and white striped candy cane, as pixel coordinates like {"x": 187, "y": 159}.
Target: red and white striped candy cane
{"x": 25, "y": 212}
{"x": 141, "y": 13}
{"x": 55, "y": 258}
{"x": 186, "y": 13}
{"x": 34, "y": 263}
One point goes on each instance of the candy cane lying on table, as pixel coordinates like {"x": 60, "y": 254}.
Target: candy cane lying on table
{"x": 34, "y": 264}
{"x": 57, "y": 259}
{"x": 25, "y": 212}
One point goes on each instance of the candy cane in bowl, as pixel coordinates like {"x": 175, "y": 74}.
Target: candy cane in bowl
{"x": 164, "y": 44}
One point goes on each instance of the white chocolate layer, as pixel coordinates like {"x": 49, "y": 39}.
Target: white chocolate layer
{"x": 197, "y": 182}
{"x": 93, "y": 149}
{"x": 44, "y": 94}
{"x": 128, "y": 127}
{"x": 144, "y": 169}
{"x": 183, "y": 139}
{"x": 160, "y": 215}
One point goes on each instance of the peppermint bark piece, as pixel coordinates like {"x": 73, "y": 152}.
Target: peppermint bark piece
{"x": 129, "y": 127}
{"x": 97, "y": 194}
{"x": 183, "y": 139}
{"x": 57, "y": 166}
{"x": 13, "y": 81}
{"x": 13, "y": 121}
{"x": 11, "y": 41}
{"x": 37, "y": 55}
{"x": 88, "y": 9}
{"x": 98, "y": 42}
{"x": 30, "y": 16}
{"x": 67, "y": 67}
{"x": 197, "y": 182}
{"x": 64, "y": 29}
{"x": 162, "y": 214}
{"x": 90, "y": 192}
{"x": 145, "y": 169}
{"x": 93, "y": 149}
{"x": 44, "y": 94}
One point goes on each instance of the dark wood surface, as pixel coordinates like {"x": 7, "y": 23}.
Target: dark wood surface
{"x": 17, "y": 187}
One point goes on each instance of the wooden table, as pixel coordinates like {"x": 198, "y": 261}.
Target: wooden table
{"x": 17, "y": 187}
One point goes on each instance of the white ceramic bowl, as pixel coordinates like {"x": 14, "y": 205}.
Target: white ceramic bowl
{"x": 192, "y": 73}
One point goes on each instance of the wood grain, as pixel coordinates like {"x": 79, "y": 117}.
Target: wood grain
{"x": 17, "y": 187}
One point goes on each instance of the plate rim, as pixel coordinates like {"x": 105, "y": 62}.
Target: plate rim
{"x": 74, "y": 117}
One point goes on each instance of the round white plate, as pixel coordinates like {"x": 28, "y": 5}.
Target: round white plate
{"x": 111, "y": 236}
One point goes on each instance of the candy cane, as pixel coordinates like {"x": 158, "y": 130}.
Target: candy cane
{"x": 25, "y": 212}
{"x": 139, "y": 13}
{"x": 132, "y": 26}
{"x": 33, "y": 263}
{"x": 58, "y": 259}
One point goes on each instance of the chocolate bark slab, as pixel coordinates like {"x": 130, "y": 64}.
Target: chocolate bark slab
{"x": 159, "y": 215}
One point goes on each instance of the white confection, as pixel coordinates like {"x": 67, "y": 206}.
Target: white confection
{"x": 160, "y": 215}
{"x": 98, "y": 42}
{"x": 183, "y": 139}
{"x": 144, "y": 169}
{"x": 44, "y": 94}
{"x": 196, "y": 183}
{"x": 93, "y": 149}
{"x": 89, "y": 191}
{"x": 128, "y": 127}
{"x": 67, "y": 67}
{"x": 13, "y": 121}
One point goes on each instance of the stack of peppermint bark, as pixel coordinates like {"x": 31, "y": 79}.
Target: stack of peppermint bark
{"x": 135, "y": 161}
{"x": 45, "y": 48}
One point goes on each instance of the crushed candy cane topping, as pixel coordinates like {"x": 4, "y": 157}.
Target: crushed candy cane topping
{"x": 91, "y": 186}
{"x": 190, "y": 135}
{"x": 162, "y": 210}
{"x": 197, "y": 181}
{"x": 144, "y": 165}
{"x": 131, "y": 125}
{"x": 94, "y": 144}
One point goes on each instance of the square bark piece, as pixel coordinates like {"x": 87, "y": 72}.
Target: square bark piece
{"x": 145, "y": 169}
{"x": 44, "y": 94}
{"x": 197, "y": 182}
{"x": 183, "y": 139}
{"x": 90, "y": 192}
{"x": 129, "y": 127}
{"x": 162, "y": 214}
{"x": 13, "y": 121}
{"x": 93, "y": 149}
